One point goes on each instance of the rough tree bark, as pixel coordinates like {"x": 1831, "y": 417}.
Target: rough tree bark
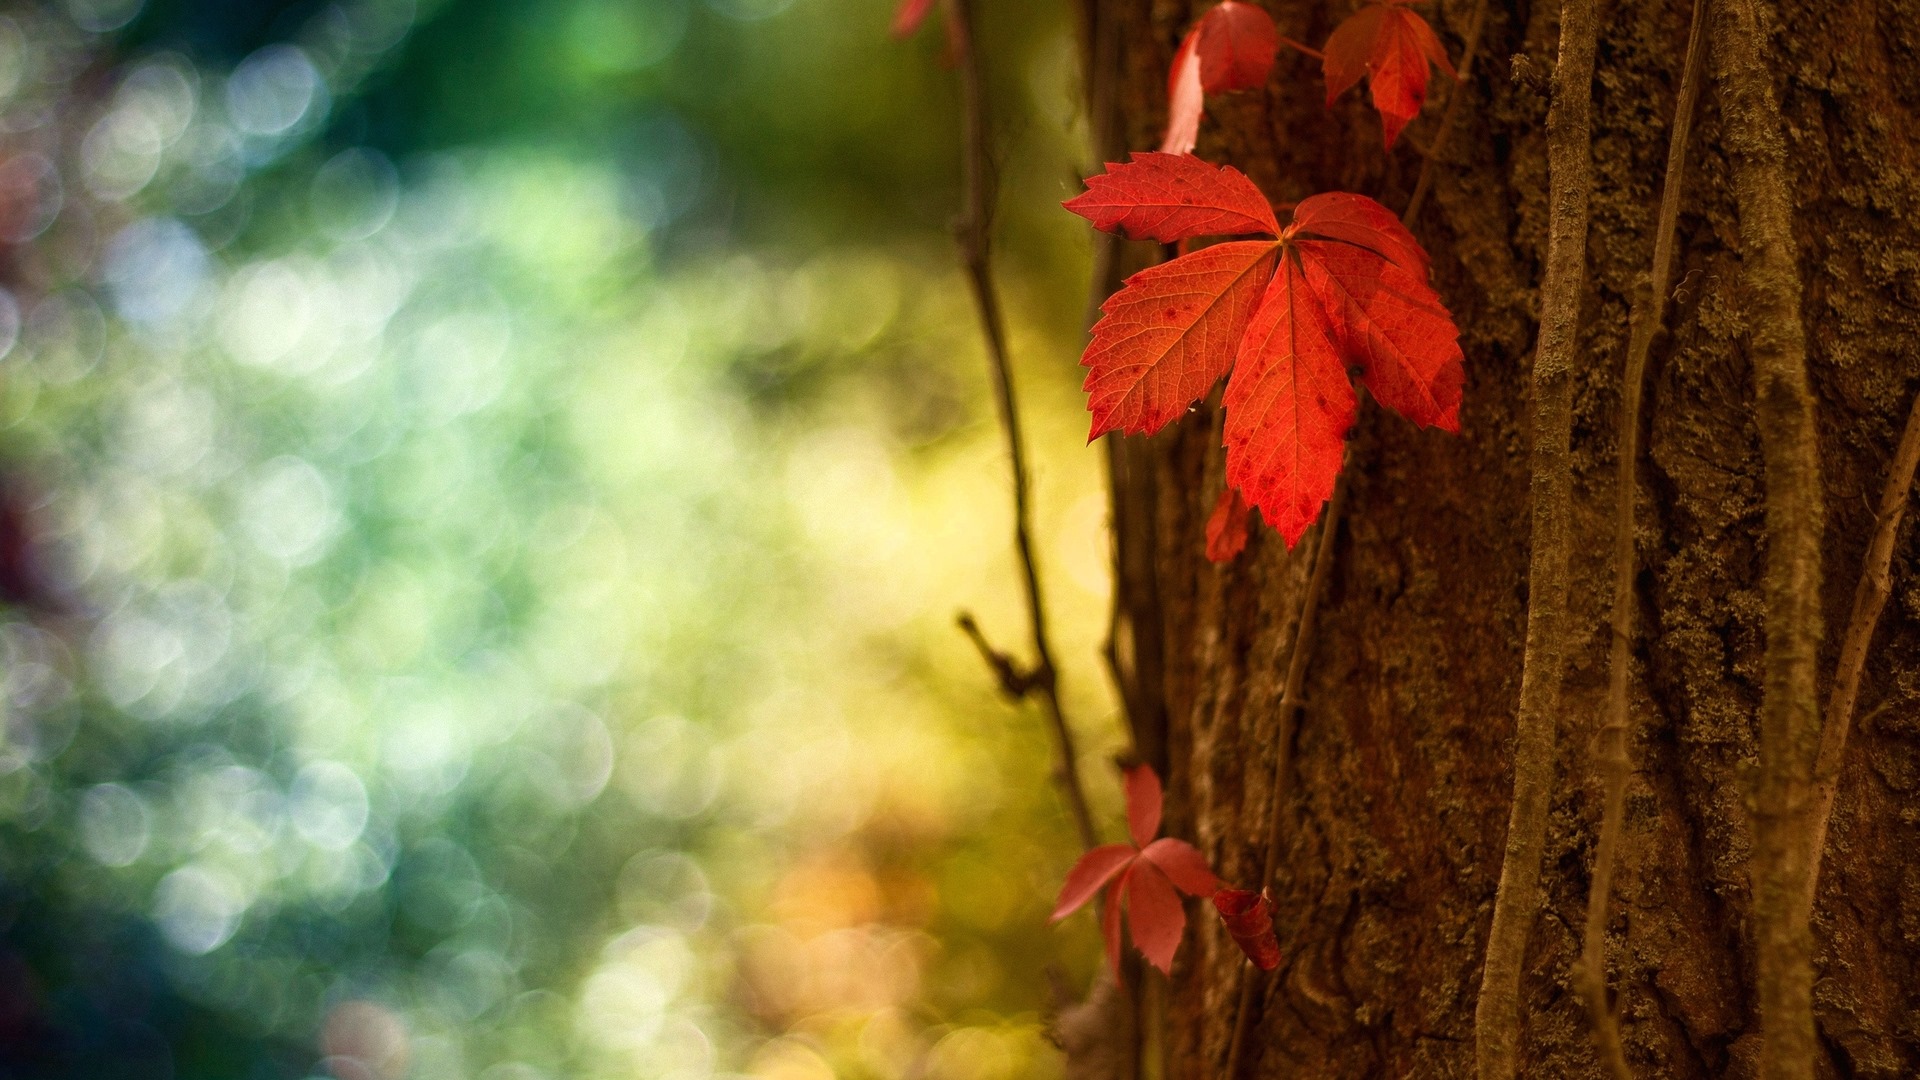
{"x": 1396, "y": 814}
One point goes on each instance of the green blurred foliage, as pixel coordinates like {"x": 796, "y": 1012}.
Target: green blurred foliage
{"x": 498, "y": 477}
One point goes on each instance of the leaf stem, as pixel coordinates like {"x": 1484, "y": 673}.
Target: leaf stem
{"x": 1869, "y": 597}
{"x": 1424, "y": 183}
{"x": 974, "y": 232}
{"x": 1303, "y": 49}
{"x": 1516, "y": 903}
{"x": 1290, "y": 705}
{"x": 1612, "y": 755}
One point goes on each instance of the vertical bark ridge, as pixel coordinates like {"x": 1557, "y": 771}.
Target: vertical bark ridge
{"x": 1612, "y": 756}
{"x": 1782, "y": 794}
{"x": 1517, "y": 902}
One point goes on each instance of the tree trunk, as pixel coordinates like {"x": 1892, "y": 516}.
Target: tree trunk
{"x": 1394, "y": 817}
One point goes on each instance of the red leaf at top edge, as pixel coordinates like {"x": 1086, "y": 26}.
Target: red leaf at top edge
{"x": 1174, "y": 197}
{"x": 1186, "y": 100}
{"x": 1248, "y": 916}
{"x": 908, "y": 18}
{"x": 1237, "y": 45}
{"x": 1391, "y": 45}
{"x": 1227, "y": 526}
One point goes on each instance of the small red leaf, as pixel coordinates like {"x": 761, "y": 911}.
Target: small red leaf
{"x": 1183, "y": 864}
{"x": 1289, "y": 405}
{"x": 1248, "y": 916}
{"x": 1169, "y": 334}
{"x": 1186, "y": 101}
{"x": 1227, "y": 526}
{"x": 909, "y": 17}
{"x": 1172, "y": 197}
{"x": 1237, "y": 45}
{"x": 1155, "y": 915}
{"x": 1094, "y": 869}
{"x": 1391, "y": 46}
{"x": 1144, "y": 799}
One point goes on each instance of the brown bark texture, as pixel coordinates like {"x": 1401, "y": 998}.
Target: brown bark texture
{"x": 1395, "y": 816}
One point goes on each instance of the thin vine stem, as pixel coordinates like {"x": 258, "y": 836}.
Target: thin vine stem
{"x": 1302, "y": 48}
{"x": 1424, "y": 183}
{"x": 1613, "y": 753}
{"x": 974, "y": 232}
{"x": 1782, "y": 793}
{"x": 1290, "y": 706}
{"x": 1869, "y": 598}
{"x": 1516, "y": 903}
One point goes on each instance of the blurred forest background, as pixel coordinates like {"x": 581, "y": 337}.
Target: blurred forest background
{"x": 485, "y": 486}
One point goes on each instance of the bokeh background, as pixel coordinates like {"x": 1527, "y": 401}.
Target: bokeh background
{"x": 485, "y": 486}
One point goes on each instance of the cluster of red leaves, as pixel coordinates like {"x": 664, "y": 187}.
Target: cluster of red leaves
{"x": 1142, "y": 878}
{"x": 1343, "y": 285}
{"x": 1233, "y": 45}
{"x": 1143, "y": 874}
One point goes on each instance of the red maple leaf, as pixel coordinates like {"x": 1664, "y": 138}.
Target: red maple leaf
{"x": 1248, "y": 916}
{"x": 1343, "y": 286}
{"x": 1145, "y": 874}
{"x": 1230, "y": 48}
{"x": 1391, "y": 46}
{"x": 1227, "y": 526}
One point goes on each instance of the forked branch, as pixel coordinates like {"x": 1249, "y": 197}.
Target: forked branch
{"x": 1516, "y": 903}
{"x": 974, "y": 231}
{"x": 1612, "y": 755}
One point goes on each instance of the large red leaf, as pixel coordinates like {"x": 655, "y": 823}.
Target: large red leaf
{"x": 1144, "y": 799}
{"x": 1391, "y": 325}
{"x": 1356, "y": 219}
{"x": 1183, "y": 864}
{"x": 1173, "y": 197}
{"x": 1170, "y": 333}
{"x": 1391, "y": 46}
{"x": 1155, "y": 915}
{"x": 1227, "y": 526}
{"x": 1289, "y": 405}
{"x": 1248, "y": 916}
{"x": 1237, "y": 45}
